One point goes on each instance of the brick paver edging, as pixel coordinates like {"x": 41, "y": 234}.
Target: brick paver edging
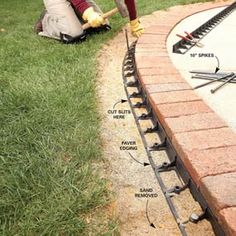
{"x": 206, "y": 145}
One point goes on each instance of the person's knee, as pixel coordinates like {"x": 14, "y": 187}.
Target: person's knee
{"x": 75, "y": 30}
{"x": 60, "y": 19}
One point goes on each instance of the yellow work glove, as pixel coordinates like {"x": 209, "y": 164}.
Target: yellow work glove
{"x": 93, "y": 18}
{"x": 136, "y": 28}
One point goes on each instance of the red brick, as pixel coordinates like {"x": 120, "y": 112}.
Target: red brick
{"x": 169, "y": 22}
{"x": 151, "y": 61}
{"x": 161, "y": 67}
{"x": 183, "y": 109}
{"x": 147, "y": 52}
{"x": 171, "y": 17}
{"x": 155, "y": 88}
{"x": 156, "y": 30}
{"x": 160, "y": 63}
{"x": 202, "y": 163}
{"x": 219, "y": 191}
{"x": 147, "y": 80}
{"x": 152, "y": 39}
{"x": 164, "y": 24}
{"x": 159, "y": 15}
{"x": 150, "y": 52}
{"x": 157, "y": 71}
{"x": 174, "y": 18}
{"x": 172, "y": 97}
{"x": 181, "y": 12}
{"x": 200, "y": 121}
{"x": 152, "y": 45}
{"x": 150, "y": 49}
{"x": 204, "y": 139}
{"x": 227, "y": 219}
{"x": 149, "y": 58}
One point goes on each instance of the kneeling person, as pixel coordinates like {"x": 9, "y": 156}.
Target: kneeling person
{"x": 63, "y": 19}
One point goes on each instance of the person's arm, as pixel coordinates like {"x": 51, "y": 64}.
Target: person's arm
{"x": 131, "y": 6}
{"x": 88, "y": 13}
{"x": 80, "y": 5}
{"x": 136, "y": 27}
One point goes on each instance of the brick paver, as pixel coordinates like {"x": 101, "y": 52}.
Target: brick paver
{"x": 161, "y": 72}
{"x": 157, "y": 88}
{"x": 161, "y": 79}
{"x": 219, "y": 191}
{"x": 203, "y": 139}
{"x": 152, "y": 61}
{"x": 228, "y": 219}
{"x": 181, "y": 109}
{"x": 209, "y": 162}
{"x": 200, "y": 121}
{"x": 151, "y": 45}
{"x": 158, "y": 38}
{"x": 173, "y": 97}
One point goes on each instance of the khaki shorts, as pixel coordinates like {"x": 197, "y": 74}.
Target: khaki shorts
{"x": 60, "y": 18}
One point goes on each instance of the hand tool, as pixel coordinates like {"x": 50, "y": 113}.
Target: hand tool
{"x": 190, "y": 36}
{"x": 214, "y": 80}
{"x": 221, "y": 85}
{"x": 191, "y": 40}
{"x": 121, "y": 8}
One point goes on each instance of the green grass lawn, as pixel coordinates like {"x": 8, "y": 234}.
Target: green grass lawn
{"x": 49, "y": 127}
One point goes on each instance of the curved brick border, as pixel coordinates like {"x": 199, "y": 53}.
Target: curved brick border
{"x": 206, "y": 145}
